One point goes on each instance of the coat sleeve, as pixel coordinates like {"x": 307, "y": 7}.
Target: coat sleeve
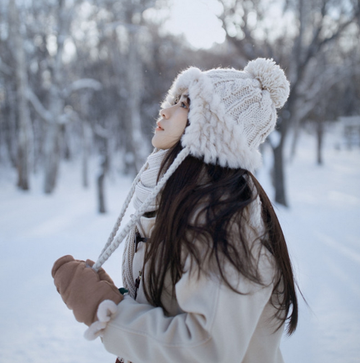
{"x": 216, "y": 324}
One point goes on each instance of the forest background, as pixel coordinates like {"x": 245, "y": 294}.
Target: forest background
{"x": 83, "y": 79}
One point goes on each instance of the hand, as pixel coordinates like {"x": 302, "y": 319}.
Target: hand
{"x": 82, "y": 288}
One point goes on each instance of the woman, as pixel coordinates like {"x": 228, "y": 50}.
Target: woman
{"x": 209, "y": 277}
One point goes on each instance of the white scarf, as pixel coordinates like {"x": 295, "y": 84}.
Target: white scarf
{"x": 143, "y": 188}
{"x": 148, "y": 180}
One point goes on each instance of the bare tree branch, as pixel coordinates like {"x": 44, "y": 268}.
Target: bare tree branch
{"x": 101, "y": 132}
{"x": 67, "y": 116}
{"x": 316, "y": 45}
{"x": 39, "y": 108}
{"x": 81, "y": 84}
{"x": 329, "y": 78}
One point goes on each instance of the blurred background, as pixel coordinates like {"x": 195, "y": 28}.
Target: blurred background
{"x": 80, "y": 87}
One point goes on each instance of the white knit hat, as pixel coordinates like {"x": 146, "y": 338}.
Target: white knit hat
{"x": 231, "y": 114}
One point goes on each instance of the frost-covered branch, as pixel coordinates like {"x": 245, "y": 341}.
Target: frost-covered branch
{"x": 82, "y": 83}
{"x": 327, "y": 79}
{"x": 67, "y": 116}
{"x": 102, "y": 132}
{"x": 39, "y": 108}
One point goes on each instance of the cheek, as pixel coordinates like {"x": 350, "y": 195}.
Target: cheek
{"x": 180, "y": 127}
{"x": 178, "y": 131}
{"x": 157, "y": 141}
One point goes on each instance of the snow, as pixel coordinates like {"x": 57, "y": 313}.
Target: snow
{"x": 321, "y": 226}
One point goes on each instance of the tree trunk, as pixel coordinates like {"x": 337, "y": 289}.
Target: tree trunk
{"x": 298, "y": 49}
{"x": 319, "y": 138}
{"x": 51, "y": 157}
{"x": 104, "y": 163}
{"x": 21, "y": 88}
{"x": 278, "y": 152}
{"x": 65, "y": 138}
{"x": 11, "y": 134}
{"x": 296, "y": 132}
{"x": 279, "y": 176}
{"x": 100, "y": 188}
{"x": 56, "y": 106}
{"x": 86, "y": 134}
{"x": 135, "y": 81}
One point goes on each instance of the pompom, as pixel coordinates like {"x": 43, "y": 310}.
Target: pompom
{"x": 272, "y": 78}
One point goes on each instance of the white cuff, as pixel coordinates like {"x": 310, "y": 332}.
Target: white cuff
{"x": 105, "y": 312}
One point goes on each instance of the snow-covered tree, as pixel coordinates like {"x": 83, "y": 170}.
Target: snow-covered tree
{"x": 55, "y": 115}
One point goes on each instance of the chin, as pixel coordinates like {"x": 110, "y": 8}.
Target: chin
{"x": 154, "y": 143}
{"x": 158, "y": 144}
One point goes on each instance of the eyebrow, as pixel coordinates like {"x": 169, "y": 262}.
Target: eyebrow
{"x": 186, "y": 96}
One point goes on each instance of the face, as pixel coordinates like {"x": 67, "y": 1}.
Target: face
{"x": 171, "y": 124}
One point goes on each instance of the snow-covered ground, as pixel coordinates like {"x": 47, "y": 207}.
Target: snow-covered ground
{"x": 322, "y": 227}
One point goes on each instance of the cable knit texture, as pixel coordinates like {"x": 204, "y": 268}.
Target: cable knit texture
{"x": 232, "y": 112}
{"x": 143, "y": 189}
{"x": 148, "y": 180}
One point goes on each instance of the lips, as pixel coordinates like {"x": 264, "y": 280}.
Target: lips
{"x": 159, "y": 128}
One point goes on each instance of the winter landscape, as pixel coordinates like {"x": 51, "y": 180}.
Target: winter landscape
{"x": 80, "y": 86}
{"x": 321, "y": 226}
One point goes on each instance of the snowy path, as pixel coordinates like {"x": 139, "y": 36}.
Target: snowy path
{"x": 322, "y": 228}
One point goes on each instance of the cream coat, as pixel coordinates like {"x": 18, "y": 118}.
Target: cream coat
{"x": 208, "y": 322}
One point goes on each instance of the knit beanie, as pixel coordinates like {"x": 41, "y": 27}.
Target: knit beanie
{"x": 231, "y": 113}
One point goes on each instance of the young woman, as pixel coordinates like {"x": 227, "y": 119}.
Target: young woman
{"x": 206, "y": 266}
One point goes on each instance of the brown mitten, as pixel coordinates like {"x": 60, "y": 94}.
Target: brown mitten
{"x": 82, "y": 288}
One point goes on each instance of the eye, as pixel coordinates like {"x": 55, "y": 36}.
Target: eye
{"x": 184, "y": 105}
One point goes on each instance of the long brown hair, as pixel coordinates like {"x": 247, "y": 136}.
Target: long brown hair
{"x": 226, "y": 193}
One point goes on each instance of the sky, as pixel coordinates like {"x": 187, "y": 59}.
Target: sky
{"x": 196, "y": 20}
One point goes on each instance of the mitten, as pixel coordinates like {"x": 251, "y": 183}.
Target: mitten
{"x": 82, "y": 288}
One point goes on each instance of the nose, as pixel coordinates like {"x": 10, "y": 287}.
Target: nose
{"x": 165, "y": 113}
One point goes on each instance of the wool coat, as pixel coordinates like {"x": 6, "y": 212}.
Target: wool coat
{"x": 207, "y": 321}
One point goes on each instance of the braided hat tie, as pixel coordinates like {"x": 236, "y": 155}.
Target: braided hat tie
{"x": 114, "y": 241}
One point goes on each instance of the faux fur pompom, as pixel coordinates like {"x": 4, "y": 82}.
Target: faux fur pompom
{"x": 272, "y": 78}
